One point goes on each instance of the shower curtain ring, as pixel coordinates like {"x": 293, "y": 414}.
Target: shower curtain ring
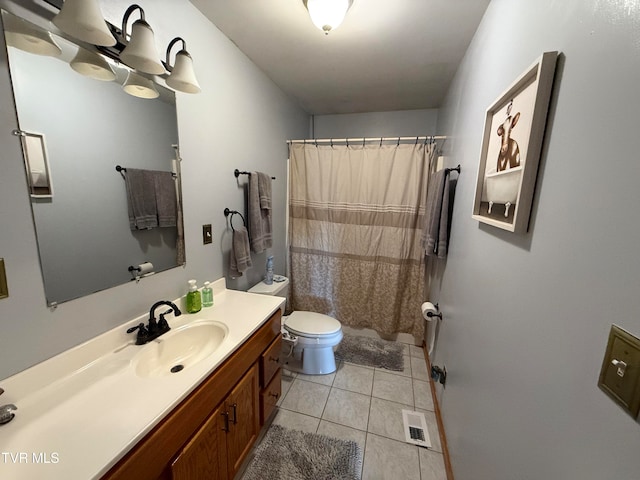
{"x": 398, "y": 144}
{"x": 416, "y": 140}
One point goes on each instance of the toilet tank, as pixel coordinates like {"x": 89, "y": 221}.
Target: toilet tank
{"x": 278, "y": 289}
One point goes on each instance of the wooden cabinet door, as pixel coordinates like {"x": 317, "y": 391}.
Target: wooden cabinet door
{"x": 205, "y": 456}
{"x": 244, "y": 422}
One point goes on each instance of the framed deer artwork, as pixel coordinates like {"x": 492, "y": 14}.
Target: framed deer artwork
{"x": 511, "y": 146}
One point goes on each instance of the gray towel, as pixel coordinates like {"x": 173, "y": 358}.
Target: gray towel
{"x": 240, "y": 257}
{"x": 264, "y": 190}
{"x": 259, "y": 218}
{"x": 166, "y": 203}
{"x": 141, "y": 199}
{"x": 435, "y": 235}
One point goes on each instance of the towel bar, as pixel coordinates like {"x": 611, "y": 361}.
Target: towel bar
{"x": 123, "y": 170}
{"x": 237, "y": 173}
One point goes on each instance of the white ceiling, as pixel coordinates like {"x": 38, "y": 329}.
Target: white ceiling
{"x": 387, "y": 54}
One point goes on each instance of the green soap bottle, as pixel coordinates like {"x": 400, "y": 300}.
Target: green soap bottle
{"x": 194, "y": 299}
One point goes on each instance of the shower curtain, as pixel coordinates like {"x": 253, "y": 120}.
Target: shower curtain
{"x": 356, "y": 214}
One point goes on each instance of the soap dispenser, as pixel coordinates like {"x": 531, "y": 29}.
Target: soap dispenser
{"x": 207, "y": 295}
{"x": 194, "y": 300}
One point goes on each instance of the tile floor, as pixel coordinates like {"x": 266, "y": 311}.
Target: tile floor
{"x": 365, "y": 404}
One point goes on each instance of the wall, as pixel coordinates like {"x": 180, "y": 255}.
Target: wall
{"x": 405, "y": 123}
{"x": 527, "y": 316}
{"x": 240, "y": 120}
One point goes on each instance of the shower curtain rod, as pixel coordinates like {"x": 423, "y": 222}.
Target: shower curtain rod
{"x": 366, "y": 139}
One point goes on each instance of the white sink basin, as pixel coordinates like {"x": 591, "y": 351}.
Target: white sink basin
{"x": 180, "y": 348}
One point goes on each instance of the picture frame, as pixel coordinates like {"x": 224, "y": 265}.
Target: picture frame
{"x": 511, "y": 146}
{"x": 4, "y": 289}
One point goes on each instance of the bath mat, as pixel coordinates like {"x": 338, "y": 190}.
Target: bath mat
{"x": 286, "y": 454}
{"x": 371, "y": 352}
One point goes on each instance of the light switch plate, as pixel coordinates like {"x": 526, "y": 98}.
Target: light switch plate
{"x": 620, "y": 373}
{"x": 207, "y": 234}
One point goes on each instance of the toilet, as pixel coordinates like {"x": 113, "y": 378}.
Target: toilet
{"x": 308, "y": 338}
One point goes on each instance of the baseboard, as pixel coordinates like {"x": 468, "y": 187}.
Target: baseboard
{"x": 443, "y": 436}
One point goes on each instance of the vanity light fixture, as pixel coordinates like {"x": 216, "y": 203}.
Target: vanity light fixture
{"x": 182, "y": 76}
{"x": 22, "y": 35}
{"x": 327, "y": 15}
{"x": 92, "y": 65}
{"x": 140, "y": 52}
{"x": 139, "y": 86}
{"x": 83, "y": 20}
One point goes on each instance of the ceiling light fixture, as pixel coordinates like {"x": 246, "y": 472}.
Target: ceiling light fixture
{"x": 83, "y": 20}
{"x": 140, "y": 52}
{"x": 139, "y": 86}
{"x": 92, "y": 65}
{"x": 182, "y": 77}
{"x": 327, "y": 15}
{"x": 22, "y": 35}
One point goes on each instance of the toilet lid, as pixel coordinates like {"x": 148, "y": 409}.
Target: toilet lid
{"x": 311, "y": 323}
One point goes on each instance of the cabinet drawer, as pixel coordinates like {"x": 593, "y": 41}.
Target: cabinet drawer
{"x": 269, "y": 396}
{"x": 270, "y": 361}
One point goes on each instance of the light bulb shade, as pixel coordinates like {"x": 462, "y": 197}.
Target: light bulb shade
{"x": 92, "y": 65}
{"x": 182, "y": 77}
{"x": 83, "y": 20}
{"x": 139, "y": 86}
{"x": 141, "y": 52}
{"x": 22, "y": 35}
{"x": 327, "y": 15}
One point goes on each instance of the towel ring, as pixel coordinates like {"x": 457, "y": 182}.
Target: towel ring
{"x": 228, "y": 212}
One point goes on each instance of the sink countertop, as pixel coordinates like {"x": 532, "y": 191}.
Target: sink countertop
{"x": 81, "y": 411}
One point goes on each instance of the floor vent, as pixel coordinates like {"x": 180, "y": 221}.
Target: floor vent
{"x": 415, "y": 428}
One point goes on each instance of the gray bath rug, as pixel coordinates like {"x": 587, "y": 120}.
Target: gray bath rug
{"x": 371, "y": 352}
{"x": 286, "y": 454}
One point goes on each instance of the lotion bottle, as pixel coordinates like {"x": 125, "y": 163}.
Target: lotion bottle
{"x": 194, "y": 300}
{"x": 207, "y": 295}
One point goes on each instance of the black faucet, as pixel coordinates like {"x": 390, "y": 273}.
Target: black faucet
{"x": 155, "y": 329}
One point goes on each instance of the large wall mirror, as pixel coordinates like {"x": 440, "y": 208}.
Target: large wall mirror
{"x": 75, "y": 130}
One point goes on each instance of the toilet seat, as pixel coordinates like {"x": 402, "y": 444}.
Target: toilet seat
{"x": 311, "y": 324}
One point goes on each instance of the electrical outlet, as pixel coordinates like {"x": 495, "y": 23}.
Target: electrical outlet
{"x": 207, "y": 234}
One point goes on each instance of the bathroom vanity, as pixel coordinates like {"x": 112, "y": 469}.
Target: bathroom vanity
{"x": 106, "y": 409}
{"x": 210, "y": 433}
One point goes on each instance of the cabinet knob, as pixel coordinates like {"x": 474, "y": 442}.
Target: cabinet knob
{"x": 274, "y": 395}
{"x": 274, "y": 359}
